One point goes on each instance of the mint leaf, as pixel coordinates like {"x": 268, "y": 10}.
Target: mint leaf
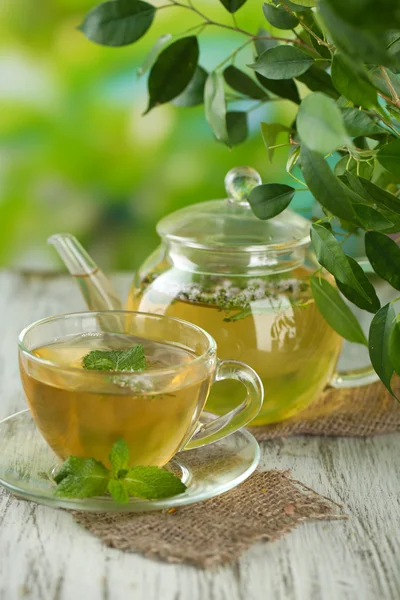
{"x": 72, "y": 466}
{"x": 82, "y": 478}
{"x": 87, "y": 477}
{"x": 116, "y": 360}
{"x": 118, "y": 490}
{"x": 153, "y": 483}
{"x": 119, "y": 458}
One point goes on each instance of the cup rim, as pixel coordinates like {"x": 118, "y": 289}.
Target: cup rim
{"x": 212, "y": 345}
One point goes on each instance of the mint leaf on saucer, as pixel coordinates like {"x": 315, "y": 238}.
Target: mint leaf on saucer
{"x": 153, "y": 483}
{"x": 116, "y": 360}
{"x": 86, "y": 477}
{"x": 118, "y": 490}
{"x": 82, "y": 478}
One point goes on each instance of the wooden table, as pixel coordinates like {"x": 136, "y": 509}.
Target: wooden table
{"x": 44, "y": 555}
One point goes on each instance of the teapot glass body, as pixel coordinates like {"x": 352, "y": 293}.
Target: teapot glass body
{"x": 259, "y": 311}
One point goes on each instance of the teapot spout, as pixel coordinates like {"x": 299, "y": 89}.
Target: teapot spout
{"x": 97, "y": 290}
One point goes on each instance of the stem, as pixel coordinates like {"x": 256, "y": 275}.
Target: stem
{"x": 282, "y": 39}
{"x": 308, "y": 29}
{"x": 234, "y": 28}
{"x": 389, "y": 99}
{"x": 346, "y": 237}
{"x": 233, "y": 54}
{"x": 298, "y": 180}
{"x": 200, "y": 27}
{"x": 387, "y": 123}
{"x": 258, "y": 105}
{"x": 395, "y": 97}
{"x": 278, "y": 146}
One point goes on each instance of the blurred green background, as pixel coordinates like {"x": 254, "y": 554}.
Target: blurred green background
{"x": 75, "y": 153}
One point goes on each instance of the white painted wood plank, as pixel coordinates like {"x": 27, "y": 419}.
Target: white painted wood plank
{"x": 44, "y": 555}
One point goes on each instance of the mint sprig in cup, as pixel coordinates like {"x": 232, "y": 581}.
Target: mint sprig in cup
{"x": 147, "y": 382}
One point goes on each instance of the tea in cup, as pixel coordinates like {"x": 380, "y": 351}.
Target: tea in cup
{"x": 155, "y": 409}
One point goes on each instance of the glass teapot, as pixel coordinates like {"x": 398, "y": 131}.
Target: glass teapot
{"x": 244, "y": 280}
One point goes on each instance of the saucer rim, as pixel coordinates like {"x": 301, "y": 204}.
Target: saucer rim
{"x": 106, "y": 504}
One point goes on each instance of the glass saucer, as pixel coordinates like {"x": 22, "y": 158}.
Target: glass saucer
{"x": 27, "y": 464}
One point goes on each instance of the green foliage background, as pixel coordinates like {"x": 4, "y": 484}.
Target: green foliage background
{"x": 75, "y": 153}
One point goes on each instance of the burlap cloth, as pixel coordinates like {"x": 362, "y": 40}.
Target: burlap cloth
{"x": 265, "y": 507}
{"x": 354, "y": 412}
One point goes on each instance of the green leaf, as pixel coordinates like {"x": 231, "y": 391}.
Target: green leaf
{"x": 394, "y": 347}
{"x": 116, "y": 360}
{"x": 325, "y": 187}
{"x": 389, "y": 157}
{"x": 82, "y": 478}
{"x": 193, "y": 94}
{"x": 318, "y": 80}
{"x": 232, "y": 5}
{"x": 378, "y": 199}
{"x": 347, "y": 163}
{"x": 384, "y": 255}
{"x": 356, "y": 42}
{"x": 371, "y": 218}
{"x": 379, "y": 338}
{"x": 270, "y": 199}
{"x": 372, "y": 304}
{"x": 154, "y": 52}
{"x": 118, "y": 490}
{"x": 351, "y": 82}
{"x": 368, "y": 14}
{"x": 215, "y": 106}
{"x": 236, "y": 124}
{"x": 307, "y": 3}
{"x": 331, "y": 256}
{"x": 282, "y": 62}
{"x": 309, "y": 19}
{"x": 279, "y": 17}
{"x": 173, "y": 70}
{"x": 381, "y": 83}
{"x": 358, "y": 123}
{"x": 119, "y": 456}
{"x": 242, "y": 83}
{"x": 270, "y": 132}
{"x": 380, "y": 196}
{"x": 285, "y": 88}
{"x": 71, "y": 466}
{"x": 320, "y": 124}
{"x": 261, "y": 45}
{"x": 153, "y": 483}
{"x": 118, "y": 23}
{"x": 336, "y": 312}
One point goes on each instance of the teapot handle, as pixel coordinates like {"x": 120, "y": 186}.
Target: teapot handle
{"x": 353, "y": 378}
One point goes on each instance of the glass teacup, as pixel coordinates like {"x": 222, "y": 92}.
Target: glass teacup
{"x": 155, "y": 411}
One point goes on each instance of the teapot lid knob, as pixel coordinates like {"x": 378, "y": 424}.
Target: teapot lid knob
{"x": 239, "y": 182}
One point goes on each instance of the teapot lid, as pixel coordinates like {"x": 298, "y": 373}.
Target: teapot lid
{"x": 230, "y": 224}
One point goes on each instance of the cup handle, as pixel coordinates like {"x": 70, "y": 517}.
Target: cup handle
{"x": 237, "y": 418}
{"x": 353, "y": 378}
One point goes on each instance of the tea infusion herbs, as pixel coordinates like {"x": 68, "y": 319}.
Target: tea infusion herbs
{"x": 116, "y": 360}
{"x": 87, "y": 477}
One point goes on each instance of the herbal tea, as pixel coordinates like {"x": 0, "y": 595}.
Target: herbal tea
{"x": 270, "y": 323}
{"x": 82, "y": 415}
